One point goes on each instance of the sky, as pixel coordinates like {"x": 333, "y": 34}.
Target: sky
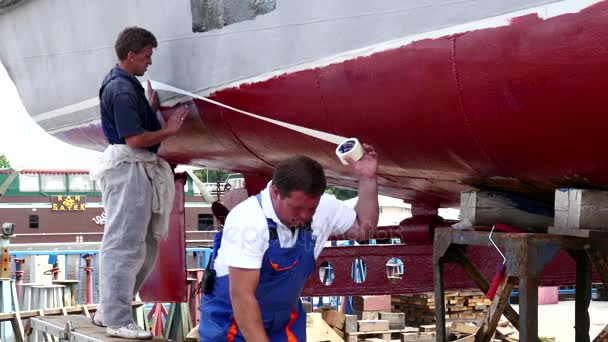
{"x": 26, "y": 145}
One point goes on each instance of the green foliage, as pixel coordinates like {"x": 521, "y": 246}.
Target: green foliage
{"x": 4, "y": 164}
{"x": 211, "y": 176}
{"x": 341, "y": 194}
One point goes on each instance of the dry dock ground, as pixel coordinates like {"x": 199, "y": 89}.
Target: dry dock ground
{"x": 557, "y": 320}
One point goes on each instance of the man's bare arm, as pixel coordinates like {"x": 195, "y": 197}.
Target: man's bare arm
{"x": 367, "y": 208}
{"x": 243, "y": 283}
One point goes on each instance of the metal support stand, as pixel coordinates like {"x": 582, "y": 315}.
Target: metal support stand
{"x": 527, "y": 255}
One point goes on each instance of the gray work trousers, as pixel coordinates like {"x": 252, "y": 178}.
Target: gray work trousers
{"x": 128, "y": 248}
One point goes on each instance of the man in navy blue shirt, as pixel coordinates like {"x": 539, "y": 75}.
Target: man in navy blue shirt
{"x": 137, "y": 186}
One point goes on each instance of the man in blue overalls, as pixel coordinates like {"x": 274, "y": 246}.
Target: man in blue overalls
{"x": 268, "y": 247}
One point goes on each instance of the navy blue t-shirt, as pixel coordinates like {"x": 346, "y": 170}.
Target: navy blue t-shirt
{"x": 125, "y": 110}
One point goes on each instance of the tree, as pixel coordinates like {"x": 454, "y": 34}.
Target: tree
{"x": 211, "y": 176}
{"x": 341, "y": 194}
{"x": 4, "y": 164}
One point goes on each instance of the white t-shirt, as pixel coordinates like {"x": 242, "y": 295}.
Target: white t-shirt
{"x": 245, "y": 237}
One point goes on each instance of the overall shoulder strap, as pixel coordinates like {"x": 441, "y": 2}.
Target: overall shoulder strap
{"x": 272, "y": 226}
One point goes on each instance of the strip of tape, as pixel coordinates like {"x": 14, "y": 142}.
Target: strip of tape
{"x": 332, "y": 138}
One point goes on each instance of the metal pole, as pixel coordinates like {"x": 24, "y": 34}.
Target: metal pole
{"x": 19, "y": 275}
{"x": 88, "y": 268}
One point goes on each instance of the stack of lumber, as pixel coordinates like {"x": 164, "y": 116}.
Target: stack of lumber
{"x": 420, "y": 308}
{"x": 385, "y": 326}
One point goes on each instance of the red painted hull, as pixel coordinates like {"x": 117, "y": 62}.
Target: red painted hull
{"x": 517, "y": 108}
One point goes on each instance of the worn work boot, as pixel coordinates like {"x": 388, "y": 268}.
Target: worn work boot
{"x": 131, "y": 331}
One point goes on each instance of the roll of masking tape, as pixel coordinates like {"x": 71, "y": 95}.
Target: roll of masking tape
{"x": 350, "y": 148}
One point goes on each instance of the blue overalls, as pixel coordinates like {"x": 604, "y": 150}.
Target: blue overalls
{"x": 282, "y": 276}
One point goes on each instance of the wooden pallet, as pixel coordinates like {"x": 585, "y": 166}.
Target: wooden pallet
{"x": 385, "y": 335}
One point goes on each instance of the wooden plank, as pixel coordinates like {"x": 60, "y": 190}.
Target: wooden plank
{"x": 581, "y": 209}
{"x": 500, "y": 302}
{"x": 339, "y": 332}
{"x": 463, "y": 328}
{"x": 314, "y": 320}
{"x": 602, "y": 336}
{"x": 55, "y": 311}
{"x": 470, "y": 338}
{"x": 373, "y": 325}
{"x": 350, "y": 323}
{"x": 475, "y": 274}
{"x": 418, "y": 337}
{"x": 396, "y": 320}
{"x": 18, "y": 330}
{"x": 399, "y": 331}
{"x": 318, "y": 330}
{"x": 584, "y": 233}
{"x": 83, "y": 325}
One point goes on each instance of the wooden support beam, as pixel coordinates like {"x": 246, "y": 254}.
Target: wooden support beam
{"x": 583, "y": 296}
{"x": 484, "y": 285}
{"x": 603, "y": 335}
{"x": 499, "y": 304}
{"x": 439, "y": 301}
{"x": 18, "y": 330}
{"x": 599, "y": 261}
{"x": 581, "y": 209}
{"x": 85, "y": 311}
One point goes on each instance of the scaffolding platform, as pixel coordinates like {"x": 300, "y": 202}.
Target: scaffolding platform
{"x": 76, "y": 328}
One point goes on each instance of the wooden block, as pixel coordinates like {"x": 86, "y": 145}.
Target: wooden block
{"x": 470, "y": 338}
{"x": 396, "y": 320}
{"x": 372, "y": 303}
{"x": 505, "y": 331}
{"x": 581, "y": 209}
{"x": 368, "y": 315}
{"x": 373, "y": 339}
{"x": 314, "y": 319}
{"x": 334, "y": 318}
{"x": 373, "y": 325}
{"x": 418, "y": 337}
{"x": 485, "y": 208}
{"x": 319, "y": 330}
{"x": 307, "y": 306}
{"x": 463, "y": 328}
{"x": 428, "y": 328}
{"x": 350, "y": 323}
